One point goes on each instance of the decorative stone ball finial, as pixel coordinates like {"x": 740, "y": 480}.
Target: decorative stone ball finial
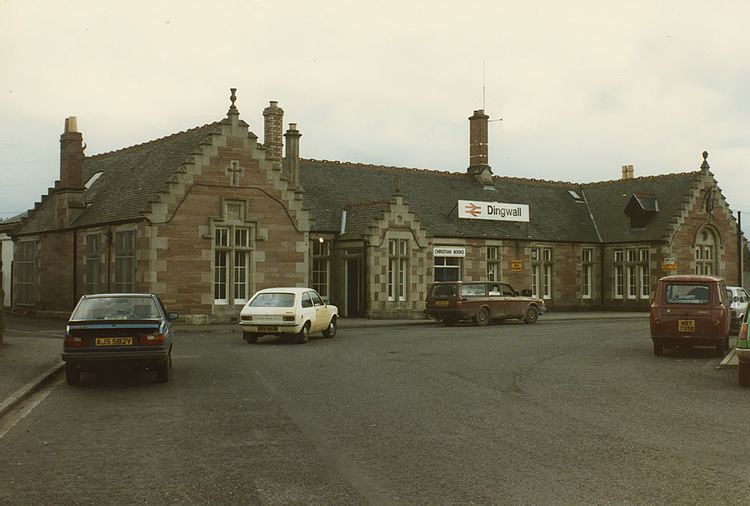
{"x": 232, "y": 98}
{"x": 705, "y": 165}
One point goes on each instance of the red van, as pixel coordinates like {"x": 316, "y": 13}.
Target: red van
{"x": 690, "y": 311}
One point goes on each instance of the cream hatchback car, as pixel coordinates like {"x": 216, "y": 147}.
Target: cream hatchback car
{"x": 290, "y": 312}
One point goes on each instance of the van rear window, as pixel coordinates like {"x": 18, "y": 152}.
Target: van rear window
{"x": 444, "y": 291}
{"x": 687, "y": 294}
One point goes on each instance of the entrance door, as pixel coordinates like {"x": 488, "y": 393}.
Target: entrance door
{"x": 353, "y": 287}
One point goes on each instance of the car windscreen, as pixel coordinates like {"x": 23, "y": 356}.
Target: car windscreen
{"x": 687, "y": 294}
{"x": 116, "y": 308}
{"x": 273, "y": 299}
{"x": 443, "y": 291}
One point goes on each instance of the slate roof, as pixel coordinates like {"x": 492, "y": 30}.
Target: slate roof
{"x": 433, "y": 195}
{"x": 607, "y": 200}
{"x": 130, "y": 177}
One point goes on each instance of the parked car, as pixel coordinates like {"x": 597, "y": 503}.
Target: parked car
{"x": 118, "y": 328}
{"x": 743, "y": 352}
{"x": 739, "y": 299}
{"x": 481, "y": 302}
{"x": 288, "y": 312}
{"x": 690, "y": 310}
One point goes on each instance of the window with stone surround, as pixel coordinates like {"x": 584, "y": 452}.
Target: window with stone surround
{"x": 447, "y": 268}
{"x": 398, "y": 266}
{"x": 124, "y": 281}
{"x": 232, "y": 242}
{"x": 92, "y": 264}
{"x": 587, "y": 255}
{"x": 632, "y": 275}
{"x": 705, "y": 252}
{"x": 644, "y": 270}
{"x": 541, "y": 272}
{"x": 494, "y": 271}
{"x": 321, "y": 268}
{"x": 26, "y": 272}
{"x": 619, "y": 274}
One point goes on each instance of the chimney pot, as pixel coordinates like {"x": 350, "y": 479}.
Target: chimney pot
{"x": 71, "y": 124}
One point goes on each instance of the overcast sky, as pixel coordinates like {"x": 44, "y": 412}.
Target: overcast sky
{"x": 582, "y": 88}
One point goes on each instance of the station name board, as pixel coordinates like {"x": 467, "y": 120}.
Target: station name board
{"x": 477, "y": 210}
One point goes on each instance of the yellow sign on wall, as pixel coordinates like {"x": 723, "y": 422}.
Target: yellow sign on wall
{"x": 516, "y": 265}
{"x": 668, "y": 265}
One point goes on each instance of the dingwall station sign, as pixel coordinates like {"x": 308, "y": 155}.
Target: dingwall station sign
{"x": 476, "y": 210}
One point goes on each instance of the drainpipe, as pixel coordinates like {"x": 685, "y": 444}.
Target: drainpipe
{"x": 75, "y": 266}
{"x": 601, "y": 275}
{"x": 109, "y": 259}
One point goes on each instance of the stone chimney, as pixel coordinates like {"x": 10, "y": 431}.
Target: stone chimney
{"x": 291, "y": 158}
{"x": 627, "y": 172}
{"x": 273, "y": 125}
{"x": 70, "y": 203}
{"x": 478, "y": 160}
{"x": 71, "y": 155}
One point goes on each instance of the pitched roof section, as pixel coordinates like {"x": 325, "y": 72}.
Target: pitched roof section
{"x": 608, "y": 200}
{"x": 433, "y": 196}
{"x": 130, "y": 177}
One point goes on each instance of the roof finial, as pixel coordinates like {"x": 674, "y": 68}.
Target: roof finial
{"x": 396, "y": 186}
{"x": 232, "y": 108}
{"x": 705, "y": 165}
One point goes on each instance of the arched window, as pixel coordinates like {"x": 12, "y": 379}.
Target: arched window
{"x": 706, "y": 248}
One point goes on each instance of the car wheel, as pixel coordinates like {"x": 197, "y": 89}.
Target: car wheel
{"x": 532, "y": 315}
{"x": 250, "y": 337}
{"x": 483, "y": 316}
{"x": 162, "y": 370}
{"x": 72, "y": 374}
{"x": 744, "y": 375}
{"x": 658, "y": 348}
{"x": 304, "y": 334}
{"x": 330, "y": 331}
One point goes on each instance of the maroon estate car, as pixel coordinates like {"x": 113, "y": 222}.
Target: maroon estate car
{"x": 690, "y": 310}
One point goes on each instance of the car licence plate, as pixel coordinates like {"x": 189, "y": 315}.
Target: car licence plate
{"x": 267, "y": 328}
{"x": 114, "y": 341}
{"x": 686, "y": 325}
{"x": 441, "y": 302}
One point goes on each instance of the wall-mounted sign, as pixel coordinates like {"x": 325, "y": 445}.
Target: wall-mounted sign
{"x": 449, "y": 251}
{"x": 477, "y": 210}
{"x": 516, "y": 265}
{"x": 669, "y": 264}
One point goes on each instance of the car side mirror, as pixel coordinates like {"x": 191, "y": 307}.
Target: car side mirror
{"x": 172, "y": 316}
{"x": 735, "y": 299}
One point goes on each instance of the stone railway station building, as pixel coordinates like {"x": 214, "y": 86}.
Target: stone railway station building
{"x": 207, "y": 216}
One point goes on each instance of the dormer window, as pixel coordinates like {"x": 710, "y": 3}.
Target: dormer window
{"x": 640, "y": 208}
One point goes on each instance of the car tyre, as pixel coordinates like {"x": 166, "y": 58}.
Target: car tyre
{"x": 744, "y": 375}
{"x": 658, "y": 348}
{"x": 330, "y": 331}
{"x": 532, "y": 315}
{"x": 72, "y": 374}
{"x": 304, "y": 335}
{"x": 250, "y": 337}
{"x": 162, "y": 370}
{"x": 482, "y": 317}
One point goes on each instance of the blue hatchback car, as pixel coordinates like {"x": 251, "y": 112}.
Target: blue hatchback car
{"x": 114, "y": 328}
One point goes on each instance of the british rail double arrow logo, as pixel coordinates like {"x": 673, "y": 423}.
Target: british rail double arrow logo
{"x": 472, "y": 209}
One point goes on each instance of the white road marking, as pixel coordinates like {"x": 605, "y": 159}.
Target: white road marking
{"x": 27, "y": 406}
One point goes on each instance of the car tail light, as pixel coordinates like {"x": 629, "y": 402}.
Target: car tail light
{"x": 246, "y": 317}
{"x": 74, "y": 342}
{"x": 152, "y": 340}
{"x": 289, "y": 318}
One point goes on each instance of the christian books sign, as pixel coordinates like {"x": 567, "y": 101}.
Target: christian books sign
{"x": 477, "y": 210}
